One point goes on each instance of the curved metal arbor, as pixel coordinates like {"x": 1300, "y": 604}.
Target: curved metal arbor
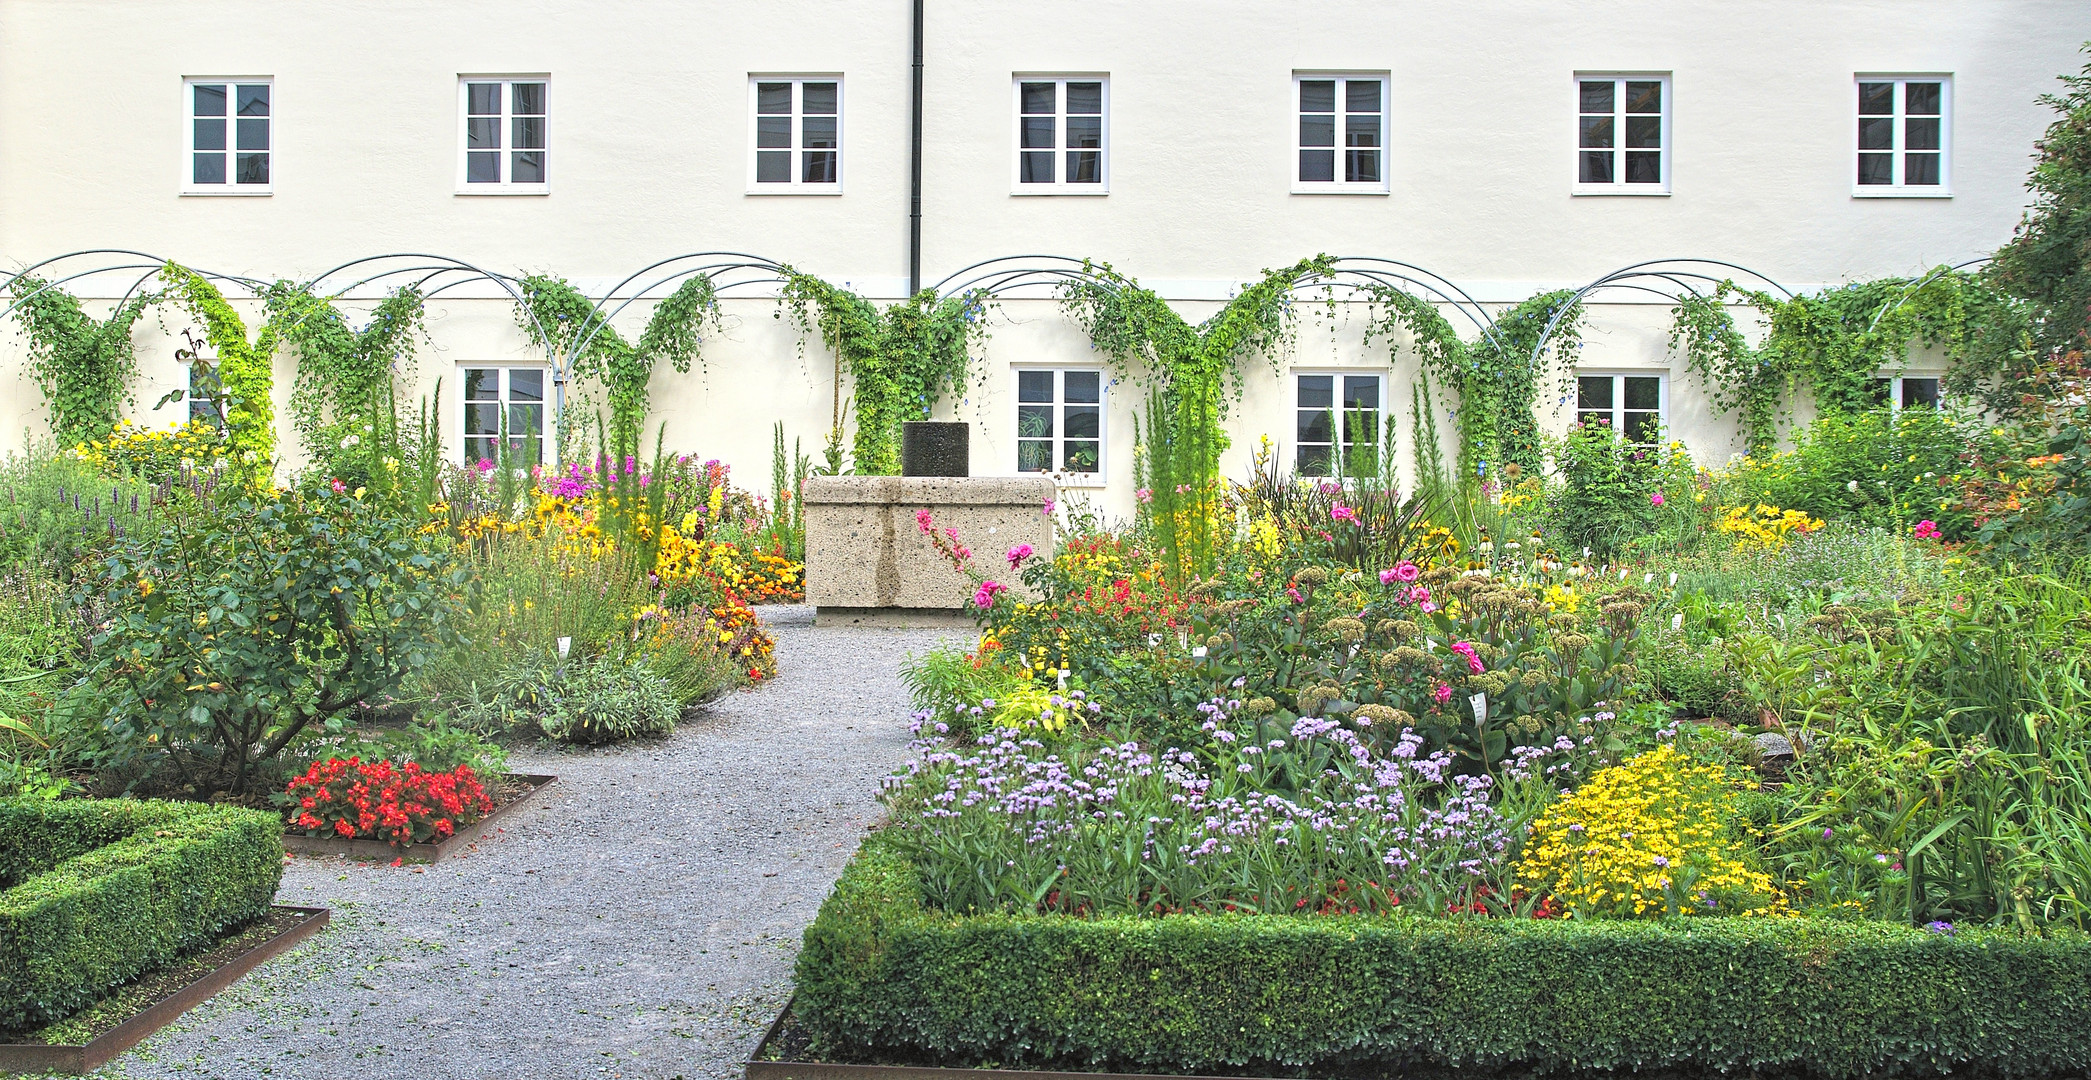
{"x": 1673, "y": 279}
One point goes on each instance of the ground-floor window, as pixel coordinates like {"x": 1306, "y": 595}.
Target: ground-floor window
{"x": 1630, "y": 404}
{"x": 1338, "y": 420}
{"x": 503, "y": 403}
{"x": 1060, "y": 420}
{"x": 1899, "y": 392}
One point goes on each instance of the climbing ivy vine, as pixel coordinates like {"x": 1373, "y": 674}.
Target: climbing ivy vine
{"x": 83, "y": 365}
{"x": 246, "y": 373}
{"x": 623, "y": 370}
{"x": 344, "y": 400}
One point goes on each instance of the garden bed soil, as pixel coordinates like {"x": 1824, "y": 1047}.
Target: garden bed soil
{"x": 509, "y": 791}
{"x": 89, "y": 1038}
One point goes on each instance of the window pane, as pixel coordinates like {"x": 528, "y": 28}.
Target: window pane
{"x": 529, "y": 132}
{"x": 1038, "y": 168}
{"x": 1318, "y": 95}
{"x": 1644, "y": 97}
{"x": 1876, "y": 168}
{"x": 208, "y": 169}
{"x": 526, "y": 420}
{"x": 1034, "y": 421}
{"x": 1643, "y": 392}
{"x": 483, "y": 99}
{"x": 482, "y": 384}
{"x": 1644, "y": 131}
{"x": 1361, "y": 166}
{"x": 1083, "y": 387}
{"x": 253, "y": 169}
{"x": 817, "y": 133}
{"x": 1314, "y": 130}
{"x": 1920, "y": 169}
{"x": 1085, "y": 132}
{"x": 254, "y": 101}
{"x": 1604, "y": 418}
{"x": 210, "y": 100}
{"x": 527, "y": 168}
{"x": 1085, "y": 98}
{"x": 772, "y": 132}
{"x": 1360, "y": 460}
{"x": 1085, "y": 167}
{"x": 1876, "y": 133}
{"x": 483, "y": 167}
{"x": 1644, "y": 167}
{"x": 772, "y": 98}
{"x": 1034, "y": 386}
{"x": 1360, "y": 392}
{"x": 210, "y": 134}
{"x": 1877, "y": 392}
{"x": 483, "y": 132}
{"x": 1919, "y": 134}
{"x": 1595, "y": 167}
{"x": 1082, "y": 421}
{"x": 1920, "y": 392}
{"x": 1596, "y": 132}
{"x": 1317, "y": 391}
{"x": 1038, "y": 132}
{"x": 1596, "y": 97}
{"x": 528, "y": 98}
{"x": 1876, "y": 99}
{"x": 253, "y": 134}
{"x": 819, "y": 167}
{"x": 1034, "y": 456}
{"x": 1921, "y": 99}
{"x": 1643, "y": 426}
{"x": 526, "y": 384}
{"x": 773, "y": 167}
{"x": 1594, "y": 392}
{"x": 1362, "y": 95}
{"x": 1080, "y": 457}
{"x": 817, "y": 98}
{"x": 1314, "y": 460}
{"x": 1360, "y": 427}
{"x": 1316, "y": 425}
{"x": 478, "y": 450}
{"x": 1361, "y": 131}
{"x": 1040, "y": 97}
{"x": 482, "y": 419}
{"x": 1317, "y": 166}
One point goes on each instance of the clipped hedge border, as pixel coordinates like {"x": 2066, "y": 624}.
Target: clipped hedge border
{"x": 98, "y": 892}
{"x": 883, "y": 977}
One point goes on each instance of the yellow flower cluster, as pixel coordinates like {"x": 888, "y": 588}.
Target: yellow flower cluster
{"x": 1763, "y": 528}
{"x": 152, "y": 453}
{"x": 758, "y": 577}
{"x": 1654, "y": 834}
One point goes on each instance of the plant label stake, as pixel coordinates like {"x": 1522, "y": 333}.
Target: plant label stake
{"x": 566, "y": 645}
{"x": 1480, "y": 706}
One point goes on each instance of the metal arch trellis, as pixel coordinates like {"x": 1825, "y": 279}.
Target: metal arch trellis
{"x": 151, "y": 265}
{"x": 1913, "y": 287}
{"x": 1682, "y": 275}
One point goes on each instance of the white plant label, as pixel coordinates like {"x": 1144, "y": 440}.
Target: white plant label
{"x": 1677, "y": 621}
{"x": 1480, "y": 704}
{"x": 566, "y": 645}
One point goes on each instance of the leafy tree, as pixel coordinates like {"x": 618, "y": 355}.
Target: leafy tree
{"x": 2048, "y": 261}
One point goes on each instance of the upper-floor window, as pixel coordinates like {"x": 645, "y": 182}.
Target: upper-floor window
{"x": 1063, "y": 132}
{"x": 503, "y": 406}
{"x": 1338, "y": 423}
{"x": 797, "y": 128}
{"x": 1630, "y": 404}
{"x": 1622, "y": 134}
{"x": 230, "y": 136}
{"x": 1342, "y": 133}
{"x": 1902, "y": 135}
{"x": 506, "y": 134}
{"x": 1060, "y": 420}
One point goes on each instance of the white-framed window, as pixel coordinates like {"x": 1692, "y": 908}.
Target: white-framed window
{"x": 1904, "y": 138}
{"x": 1063, "y": 134}
{"x": 1338, "y": 422}
{"x": 1635, "y": 404}
{"x": 503, "y": 403}
{"x": 231, "y": 136}
{"x": 1622, "y": 134}
{"x": 795, "y": 127}
{"x": 1341, "y": 136}
{"x": 504, "y": 135}
{"x": 1899, "y": 392}
{"x": 1060, "y": 421}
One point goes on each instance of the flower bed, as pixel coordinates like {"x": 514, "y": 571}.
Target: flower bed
{"x": 424, "y": 844}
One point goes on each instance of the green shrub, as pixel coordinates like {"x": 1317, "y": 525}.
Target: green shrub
{"x": 1880, "y": 468}
{"x": 1607, "y": 484}
{"x": 881, "y": 977}
{"x": 100, "y": 892}
{"x": 578, "y": 700}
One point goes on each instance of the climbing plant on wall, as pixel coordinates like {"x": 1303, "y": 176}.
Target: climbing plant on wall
{"x": 623, "y": 370}
{"x": 246, "y": 373}
{"x": 344, "y": 401}
{"x": 83, "y": 365}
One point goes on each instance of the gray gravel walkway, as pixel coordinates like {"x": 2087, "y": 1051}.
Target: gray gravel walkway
{"x": 639, "y": 919}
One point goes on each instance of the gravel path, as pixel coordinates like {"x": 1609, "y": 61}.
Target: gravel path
{"x": 638, "y": 919}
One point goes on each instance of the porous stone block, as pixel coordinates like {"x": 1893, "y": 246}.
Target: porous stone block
{"x": 865, "y": 551}
{"x": 935, "y": 448}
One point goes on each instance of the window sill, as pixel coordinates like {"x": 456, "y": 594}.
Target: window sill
{"x": 1900, "y": 193}
{"x": 1639, "y": 191}
{"x": 1042, "y": 189}
{"x": 534, "y": 189}
{"x": 229, "y": 193}
{"x": 803, "y": 189}
{"x": 1338, "y": 189}
{"x": 1083, "y": 481}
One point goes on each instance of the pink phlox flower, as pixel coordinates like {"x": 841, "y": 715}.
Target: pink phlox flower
{"x": 1926, "y": 530}
{"x": 923, "y": 522}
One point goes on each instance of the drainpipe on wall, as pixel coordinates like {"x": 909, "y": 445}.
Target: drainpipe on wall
{"x": 915, "y": 168}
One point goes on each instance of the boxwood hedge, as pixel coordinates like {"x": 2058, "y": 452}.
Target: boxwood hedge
{"x": 882, "y": 977}
{"x": 94, "y": 893}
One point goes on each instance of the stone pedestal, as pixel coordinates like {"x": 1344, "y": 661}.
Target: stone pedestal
{"x": 935, "y": 448}
{"x": 868, "y": 562}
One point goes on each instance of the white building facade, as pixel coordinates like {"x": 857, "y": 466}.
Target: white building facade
{"x": 1509, "y": 146}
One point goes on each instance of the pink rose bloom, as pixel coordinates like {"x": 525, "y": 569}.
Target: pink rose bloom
{"x": 1656, "y": 499}
{"x": 984, "y": 597}
{"x": 1386, "y": 577}
{"x": 1474, "y": 664}
{"x": 1018, "y": 554}
{"x": 1419, "y": 594}
{"x": 1443, "y": 693}
{"x": 1406, "y": 571}
{"x": 1926, "y": 530}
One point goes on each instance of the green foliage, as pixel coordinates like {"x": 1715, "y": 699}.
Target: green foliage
{"x": 1176, "y": 468}
{"x": 1501, "y": 382}
{"x": 578, "y": 700}
{"x": 2048, "y": 260}
{"x": 245, "y": 369}
{"x": 1606, "y": 485}
{"x": 100, "y": 892}
{"x": 674, "y": 332}
{"x": 345, "y": 401}
{"x": 84, "y": 366}
{"x": 883, "y": 977}
{"x": 250, "y": 616}
{"x": 1876, "y": 467}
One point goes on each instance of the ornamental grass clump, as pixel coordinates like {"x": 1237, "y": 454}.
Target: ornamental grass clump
{"x": 1654, "y": 835}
